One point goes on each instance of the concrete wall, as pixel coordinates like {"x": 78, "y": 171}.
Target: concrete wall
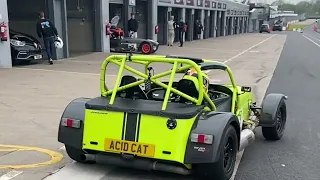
{"x": 5, "y": 53}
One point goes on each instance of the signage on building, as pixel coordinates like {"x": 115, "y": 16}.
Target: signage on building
{"x": 214, "y": 4}
{"x": 190, "y": 2}
{"x": 224, "y": 6}
{"x": 179, "y": 2}
{"x": 219, "y": 5}
{"x": 207, "y": 4}
{"x": 132, "y": 2}
{"x": 200, "y": 3}
{"x": 165, "y": 1}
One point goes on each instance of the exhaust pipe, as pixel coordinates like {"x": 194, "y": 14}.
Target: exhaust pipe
{"x": 246, "y": 138}
{"x": 138, "y": 163}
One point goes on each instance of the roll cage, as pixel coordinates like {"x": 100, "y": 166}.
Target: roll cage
{"x": 185, "y": 64}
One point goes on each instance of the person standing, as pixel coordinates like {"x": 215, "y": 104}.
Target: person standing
{"x": 171, "y": 28}
{"x": 198, "y": 28}
{"x": 181, "y": 30}
{"x": 47, "y": 31}
{"x": 133, "y": 26}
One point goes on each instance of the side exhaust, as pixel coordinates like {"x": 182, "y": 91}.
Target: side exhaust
{"x": 246, "y": 138}
{"x": 144, "y": 164}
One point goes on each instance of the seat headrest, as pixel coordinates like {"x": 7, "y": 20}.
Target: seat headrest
{"x": 127, "y": 79}
{"x": 188, "y": 87}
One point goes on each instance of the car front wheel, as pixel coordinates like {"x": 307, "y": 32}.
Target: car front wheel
{"x": 223, "y": 169}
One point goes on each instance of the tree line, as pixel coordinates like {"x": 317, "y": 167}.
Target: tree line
{"x": 310, "y": 8}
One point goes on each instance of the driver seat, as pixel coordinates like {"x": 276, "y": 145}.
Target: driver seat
{"x": 134, "y": 92}
{"x": 188, "y": 87}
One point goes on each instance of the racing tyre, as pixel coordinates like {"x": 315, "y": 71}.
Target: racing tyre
{"x": 146, "y": 48}
{"x": 223, "y": 169}
{"x": 76, "y": 154}
{"x": 276, "y": 132}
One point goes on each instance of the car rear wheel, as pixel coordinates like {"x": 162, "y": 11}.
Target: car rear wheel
{"x": 223, "y": 169}
{"x": 76, "y": 154}
{"x": 276, "y": 132}
{"x": 146, "y": 48}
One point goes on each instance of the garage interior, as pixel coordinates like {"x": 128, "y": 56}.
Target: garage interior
{"x": 229, "y": 25}
{"x": 197, "y": 15}
{"x": 206, "y": 25}
{"x": 176, "y": 13}
{"x": 162, "y": 24}
{"x": 219, "y": 22}
{"x": 235, "y": 25}
{"x": 117, "y": 9}
{"x": 189, "y": 22}
{"x": 240, "y": 25}
{"x": 23, "y": 18}
{"x": 211, "y": 23}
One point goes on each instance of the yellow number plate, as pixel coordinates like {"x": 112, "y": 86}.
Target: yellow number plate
{"x": 140, "y": 149}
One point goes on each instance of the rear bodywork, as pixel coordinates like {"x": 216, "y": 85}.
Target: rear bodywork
{"x": 110, "y": 129}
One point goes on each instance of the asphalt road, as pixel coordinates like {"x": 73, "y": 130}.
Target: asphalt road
{"x": 297, "y": 155}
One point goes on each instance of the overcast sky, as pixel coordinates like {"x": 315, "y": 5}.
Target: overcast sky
{"x": 270, "y": 1}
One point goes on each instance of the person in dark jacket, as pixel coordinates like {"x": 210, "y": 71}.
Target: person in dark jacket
{"x": 198, "y": 28}
{"x": 47, "y": 31}
{"x": 181, "y": 30}
{"x": 133, "y": 26}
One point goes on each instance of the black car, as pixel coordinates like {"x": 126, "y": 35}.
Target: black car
{"x": 24, "y": 47}
{"x": 119, "y": 43}
{"x": 144, "y": 46}
{"x": 277, "y": 27}
{"x": 265, "y": 28}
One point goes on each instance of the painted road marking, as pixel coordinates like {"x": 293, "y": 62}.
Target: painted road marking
{"x": 70, "y": 72}
{"x": 212, "y": 49}
{"x": 311, "y": 41}
{"x": 232, "y": 58}
{"x": 55, "y": 157}
{"x": 78, "y": 171}
{"x": 10, "y": 175}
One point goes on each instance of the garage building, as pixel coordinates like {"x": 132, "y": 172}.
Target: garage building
{"x": 81, "y": 23}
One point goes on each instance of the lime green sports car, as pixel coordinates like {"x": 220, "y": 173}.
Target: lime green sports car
{"x": 188, "y": 126}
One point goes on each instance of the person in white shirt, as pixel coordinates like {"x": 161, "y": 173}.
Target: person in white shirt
{"x": 171, "y": 28}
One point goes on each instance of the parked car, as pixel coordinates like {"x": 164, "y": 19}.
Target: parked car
{"x": 24, "y": 47}
{"x": 277, "y": 26}
{"x": 265, "y": 28}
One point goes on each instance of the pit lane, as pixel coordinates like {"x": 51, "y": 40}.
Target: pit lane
{"x": 35, "y": 96}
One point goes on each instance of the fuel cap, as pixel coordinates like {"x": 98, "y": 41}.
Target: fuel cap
{"x": 171, "y": 123}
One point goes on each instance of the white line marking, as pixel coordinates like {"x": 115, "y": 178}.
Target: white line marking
{"x": 311, "y": 41}
{"x": 76, "y": 171}
{"x": 210, "y": 49}
{"x": 236, "y": 166}
{"x": 10, "y": 175}
{"x": 232, "y": 58}
{"x": 49, "y": 70}
{"x": 63, "y": 148}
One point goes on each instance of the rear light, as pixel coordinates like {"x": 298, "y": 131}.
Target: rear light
{"x": 72, "y": 123}
{"x": 201, "y": 138}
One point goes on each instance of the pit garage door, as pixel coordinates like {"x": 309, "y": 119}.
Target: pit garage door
{"x": 80, "y": 16}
